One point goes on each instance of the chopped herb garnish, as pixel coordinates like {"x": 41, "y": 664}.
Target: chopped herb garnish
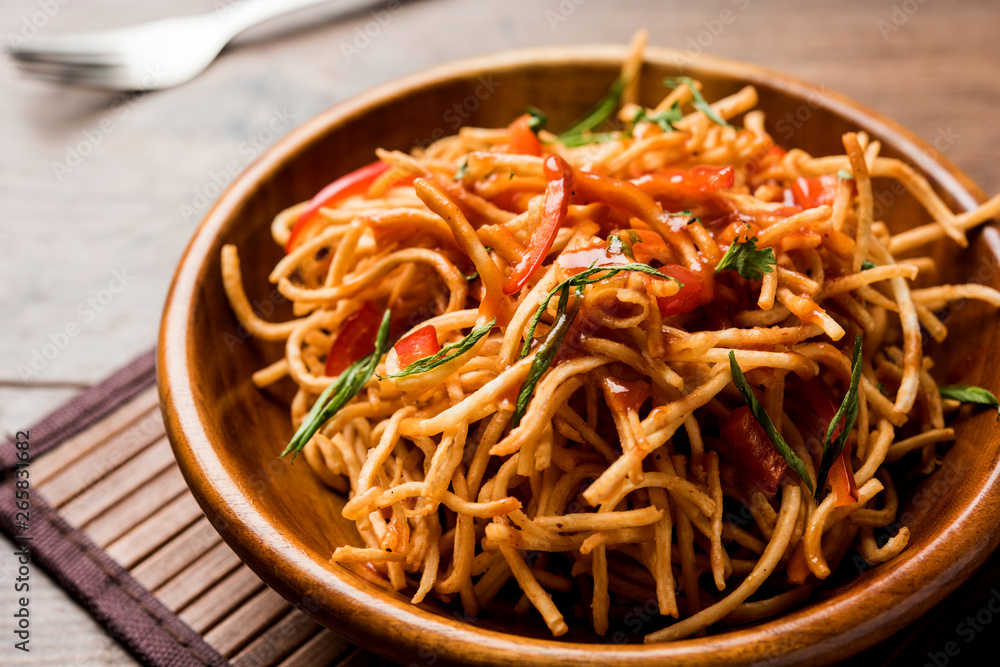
{"x": 447, "y": 353}
{"x": 843, "y": 174}
{"x": 881, "y": 388}
{"x": 574, "y": 140}
{"x": 616, "y": 246}
{"x": 580, "y": 134}
{"x": 463, "y": 169}
{"x": 546, "y": 352}
{"x": 340, "y": 392}
{"x": 538, "y": 119}
{"x": 970, "y": 394}
{"x": 599, "y": 113}
{"x": 758, "y": 412}
{"x": 579, "y": 281}
{"x": 848, "y": 414}
{"x": 698, "y": 101}
{"x": 665, "y": 119}
{"x": 747, "y": 260}
{"x": 868, "y": 264}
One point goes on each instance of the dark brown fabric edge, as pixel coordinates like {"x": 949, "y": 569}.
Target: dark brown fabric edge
{"x": 128, "y": 612}
{"x": 122, "y": 606}
{"x": 86, "y": 409}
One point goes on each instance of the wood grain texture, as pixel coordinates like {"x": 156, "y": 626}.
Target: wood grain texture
{"x": 938, "y": 74}
{"x": 224, "y": 431}
{"x": 219, "y": 600}
{"x": 161, "y": 526}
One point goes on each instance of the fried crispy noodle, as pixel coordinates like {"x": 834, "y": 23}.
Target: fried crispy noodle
{"x": 618, "y": 313}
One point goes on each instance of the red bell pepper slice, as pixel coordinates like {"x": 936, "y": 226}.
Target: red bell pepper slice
{"x": 685, "y": 184}
{"x": 755, "y": 165}
{"x": 797, "y": 570}
{"x": 696, "y": 291}
{"x": 421, "y": 343}
{"x": 559, "y": 176}
{"x": 810, "y": 192}
{"x": 355, "y": 339}
{"x": 624, "y": 395}
{"x": 845, "y": 489}
{"x": 523, "y": 139}
{"x": 354, "y": 183}
{"x": 751, "y": 450}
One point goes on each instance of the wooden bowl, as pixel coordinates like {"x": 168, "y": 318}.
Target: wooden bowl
{"x": 284, "y": 523}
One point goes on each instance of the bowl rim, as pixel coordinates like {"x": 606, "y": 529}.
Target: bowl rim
{"x": 875, "y": 612}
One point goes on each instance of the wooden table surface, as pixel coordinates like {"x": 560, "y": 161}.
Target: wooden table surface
{"x": 99, "y": 193}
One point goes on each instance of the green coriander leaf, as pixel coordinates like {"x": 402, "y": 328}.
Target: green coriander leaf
{"x": 463, "y": 169}
{"x": 758, "y": 412}
{"x": 747, "y": 260}
{"x": 546, "y": 352}
{"x": 970, "y": 394}
{"x": 848, "y": 414}
{"x": 446, "y": 353}
{"x": 845, "y": 175}
{"x": 867, "y": 264}
{"x": 881, "y": 388}
{"x": 698, "y": 102}
{"x": 633, "y": 236}
{"x": 340, "y": 392}
{"x": 665, "y": 119}
{"x": 538, "y": 119}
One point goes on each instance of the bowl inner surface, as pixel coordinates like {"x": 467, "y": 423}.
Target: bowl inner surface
{"x": 285, "y": 524}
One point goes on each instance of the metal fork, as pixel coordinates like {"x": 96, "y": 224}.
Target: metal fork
{"x": 148, "y": 56}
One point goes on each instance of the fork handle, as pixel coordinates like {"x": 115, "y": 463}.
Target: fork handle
{"x": 242, "y": 15}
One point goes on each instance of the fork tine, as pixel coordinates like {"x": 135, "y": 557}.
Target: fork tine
{"x": 67, "y": 44}
{"x": 93, "y": 59}
{"x": 63, "y": 75}
{"x": 108, "y": 78}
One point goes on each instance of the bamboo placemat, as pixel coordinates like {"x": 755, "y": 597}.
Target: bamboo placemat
{"x": 114, "y": 523}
